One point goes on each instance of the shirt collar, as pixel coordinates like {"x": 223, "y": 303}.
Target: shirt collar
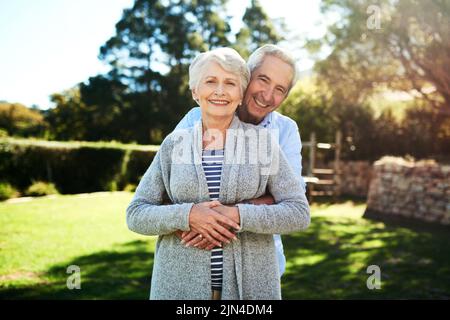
{"x": 266, "y": 121}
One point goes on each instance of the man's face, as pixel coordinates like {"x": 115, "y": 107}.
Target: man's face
{"x": 268, "y": 87}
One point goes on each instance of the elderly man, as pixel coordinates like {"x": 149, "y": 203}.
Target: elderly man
{"x": 273, "y": 74}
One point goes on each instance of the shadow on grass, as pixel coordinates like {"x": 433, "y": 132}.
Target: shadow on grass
{"x": 121, "y": 273}
{"x": 330, "y": 260}
{"x": 406, "y": 222}
{"x": 327, "y": 261}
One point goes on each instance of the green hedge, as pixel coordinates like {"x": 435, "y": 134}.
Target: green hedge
{"x": 73, "y": 167}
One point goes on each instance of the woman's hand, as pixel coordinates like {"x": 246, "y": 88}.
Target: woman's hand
{"x": 194, "y": 239}
{"x": 231, "y": 212}
{"x": 211, "y": 225}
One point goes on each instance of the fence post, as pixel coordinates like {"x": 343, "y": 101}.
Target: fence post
{"x": 312, "y": 154}
{"x": 312, "y": 160}
{"x": 337, "y": 165}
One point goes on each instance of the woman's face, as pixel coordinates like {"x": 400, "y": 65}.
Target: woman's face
{"x": 218, "y": 92}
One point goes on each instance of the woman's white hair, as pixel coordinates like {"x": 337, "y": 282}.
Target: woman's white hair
{"x": 257, "y": 57}
{"x": 228, "y": 59}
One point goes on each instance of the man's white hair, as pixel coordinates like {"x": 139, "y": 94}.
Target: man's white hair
{"x": 257, "y": 57}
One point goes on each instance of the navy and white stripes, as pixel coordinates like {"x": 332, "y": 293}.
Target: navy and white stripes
{"x": 212, "y": 161}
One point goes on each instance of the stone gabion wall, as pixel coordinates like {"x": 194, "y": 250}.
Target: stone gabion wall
{"x": 355, "y": 178}
{"x": 419, "y": 190}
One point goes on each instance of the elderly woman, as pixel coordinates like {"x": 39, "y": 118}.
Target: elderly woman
{"x": 202, "y": 169}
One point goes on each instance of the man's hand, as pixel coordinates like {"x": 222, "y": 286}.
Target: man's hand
{"x": 179, "y": 234}
{"x": 265, "y": 199}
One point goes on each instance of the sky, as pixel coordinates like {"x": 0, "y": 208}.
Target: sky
{"x": 48, "y": 46}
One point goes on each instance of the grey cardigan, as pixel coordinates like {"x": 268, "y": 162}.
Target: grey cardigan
{"x": 249, "y": 264}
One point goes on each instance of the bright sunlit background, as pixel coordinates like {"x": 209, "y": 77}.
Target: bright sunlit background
{"x": 372, "y": 107}
{"x": 51, "y": 45}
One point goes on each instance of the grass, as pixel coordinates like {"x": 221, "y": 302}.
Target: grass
{"x": 331, "y": 258}
{"x": 41, "y": 238}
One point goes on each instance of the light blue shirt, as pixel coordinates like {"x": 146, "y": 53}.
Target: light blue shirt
{"x": 290, "y": 144}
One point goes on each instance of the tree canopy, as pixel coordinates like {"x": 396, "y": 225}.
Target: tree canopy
{"x": 399, "y": 45}
{"x": 17, "y": 119}
{"x": 146, "y": 92}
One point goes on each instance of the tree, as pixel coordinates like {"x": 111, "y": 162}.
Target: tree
{"x": 150, "y": 53}
{"x": 310, "y": 107}
{"x": 258, "y": 30}
{"x": 103, "y": 115}
{"x": 426, "y": 132}
{"x": 146, "y": 92}
{"x": 403, "y": 45}
{"x": 16, "y": 119}
{"x": 66, "y": 120}
{"x": 155, "y": 35}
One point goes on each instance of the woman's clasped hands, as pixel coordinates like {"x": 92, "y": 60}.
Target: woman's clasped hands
{"x": 212, "y": 224}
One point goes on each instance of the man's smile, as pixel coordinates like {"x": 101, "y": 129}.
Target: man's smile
{"x": 260, "y": 104}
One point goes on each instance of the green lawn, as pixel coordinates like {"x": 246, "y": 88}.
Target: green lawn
{"x": 39, "y": 239}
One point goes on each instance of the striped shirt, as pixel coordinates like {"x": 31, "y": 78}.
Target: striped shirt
{"x": 212, "y": 161}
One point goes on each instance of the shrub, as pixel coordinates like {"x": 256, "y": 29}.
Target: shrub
{"x": 19, "y": 120}
{"x": 130, "y": 187}
{"x": 71, "y": 167}
{"x": 41, "y": 188}
{"x": 111, "y": 186}
{"x": 7, "y": 191}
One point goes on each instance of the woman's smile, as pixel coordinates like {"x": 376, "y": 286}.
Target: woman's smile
{"x": 218, "y": 102}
